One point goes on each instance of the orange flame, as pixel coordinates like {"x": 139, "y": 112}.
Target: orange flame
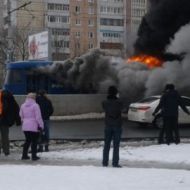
{"x": 148, "y": 60}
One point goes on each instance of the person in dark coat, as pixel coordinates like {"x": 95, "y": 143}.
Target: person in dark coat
{"x": 168, "y": 105}
{"x": 46, "y": 108}
{"x": 9, "y": 115}
{"x": 113, "y": 126}
{"x": 162, "y": 132}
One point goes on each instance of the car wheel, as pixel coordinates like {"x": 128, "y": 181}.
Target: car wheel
{"x": 159, "y": 122}
{"x": 143, "y": 124}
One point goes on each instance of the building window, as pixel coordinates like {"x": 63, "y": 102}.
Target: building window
{"x": 111, "y": 35}
{"x": 66, "y": 44}
{"x": 77, "y": 9}
{"x": 90, "y": 46}
{"x": 58, "y": 19}
{"x": 59, "y": 7}
{"x": 103, "y": 9}
{"x": 90, "y": 10}
{"x": 77, "y": 45}
{"x": 77, "y": 34}
{"x": 51, "y": 18}
{"x": 77, "y": 21}
{"x": 50, "y": 6}
{"x": 90, "y": 34}
{"x": 90, "y": 22}
{"x": 60, "y": 32}
{"x": 109, "y": 45}
{"x": 111, "y": 22}
{"x": 61, "y": 44}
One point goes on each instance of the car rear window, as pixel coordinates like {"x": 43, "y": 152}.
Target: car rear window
{"x": 186, "y": 101}
{"x": 148, "y": 100}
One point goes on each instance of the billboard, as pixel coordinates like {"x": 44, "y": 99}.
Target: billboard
{"x": 38, "y": 46}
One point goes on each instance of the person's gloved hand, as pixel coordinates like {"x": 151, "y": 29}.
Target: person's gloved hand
{"x": 153, "y": 114}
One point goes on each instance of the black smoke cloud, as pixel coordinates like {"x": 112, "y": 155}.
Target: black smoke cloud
{"x": 162, "y": 33}
{"x": 159, "y": 26}
{"x": 90, "y": 73}
{"x": 95, "y": 71}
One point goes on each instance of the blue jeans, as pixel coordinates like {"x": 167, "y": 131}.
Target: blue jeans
{"x": 111, "y": 133}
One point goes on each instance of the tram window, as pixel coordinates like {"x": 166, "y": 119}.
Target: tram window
{"x": 36, "y": 82}
{"x": 13, "y": 77}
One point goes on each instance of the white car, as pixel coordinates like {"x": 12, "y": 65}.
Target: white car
{"x": 142, "y": 110}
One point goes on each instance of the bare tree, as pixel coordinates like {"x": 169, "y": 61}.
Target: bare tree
{"x": 20, "y": 43}
{"x": 3, "y": 47}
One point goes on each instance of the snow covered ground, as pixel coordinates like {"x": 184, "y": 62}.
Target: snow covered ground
{"x": 77, "y": 166}
{"x": 83, "y": 116}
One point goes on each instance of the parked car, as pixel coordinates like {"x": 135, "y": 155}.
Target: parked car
{"x": 141, "y": 112}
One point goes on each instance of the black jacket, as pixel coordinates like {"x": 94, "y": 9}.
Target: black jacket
{"x": 169, "y": 103}
{"x": 113, "y": 108}
{"x": 10, "y": 113}
{"x": 45, "y": 107}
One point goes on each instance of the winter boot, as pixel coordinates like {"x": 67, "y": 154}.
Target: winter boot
{"x": 46, "y": 148}
{"x": 40, "y": 148}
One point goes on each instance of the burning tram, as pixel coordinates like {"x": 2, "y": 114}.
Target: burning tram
{"x": 22, "y": 77}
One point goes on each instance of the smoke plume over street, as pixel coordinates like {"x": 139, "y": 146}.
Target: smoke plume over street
{"x": 164, "y": 33}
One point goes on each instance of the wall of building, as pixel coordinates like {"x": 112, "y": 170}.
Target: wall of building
{"x": 73, "y": 104}
{"x": 111, "y": 25}
{"x": 58, "y": 23}
{"x": 32, "y": 17}
{"x": 135, "y": 10}
{"x": 80, "y": 14}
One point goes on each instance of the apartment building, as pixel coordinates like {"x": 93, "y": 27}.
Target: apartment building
{"x": 135, "y": 10}
{"x": 83, "y": 26}
{"x": 75, "y": 26}
{"x": 57, "y": 22}
{"x": 111, "y": 25}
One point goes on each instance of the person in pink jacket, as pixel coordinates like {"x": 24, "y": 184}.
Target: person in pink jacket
{"x": 32, "y": 123}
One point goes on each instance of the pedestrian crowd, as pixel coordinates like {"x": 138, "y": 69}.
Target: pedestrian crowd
{"x": 34, "y": 116}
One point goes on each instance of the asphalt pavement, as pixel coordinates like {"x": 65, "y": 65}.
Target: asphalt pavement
{"x": 93, "y": 129}
{"x": 85, "y": 129}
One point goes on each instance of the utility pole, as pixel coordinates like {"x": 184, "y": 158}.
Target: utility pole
{"x": 9, "y": 32}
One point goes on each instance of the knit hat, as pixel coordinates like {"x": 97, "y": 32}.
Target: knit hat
{"x": 31, "y": 95}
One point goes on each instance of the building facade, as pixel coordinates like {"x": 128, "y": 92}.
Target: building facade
{"x": 111, "y": 25}
{"x": 57, "y": 22}
{"x": 83, "y": 26}
{"x": 135, "y": 10}
{"x": 75, "y": 26}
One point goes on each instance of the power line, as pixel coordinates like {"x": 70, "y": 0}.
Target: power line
{"x": 18, "y": 8}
